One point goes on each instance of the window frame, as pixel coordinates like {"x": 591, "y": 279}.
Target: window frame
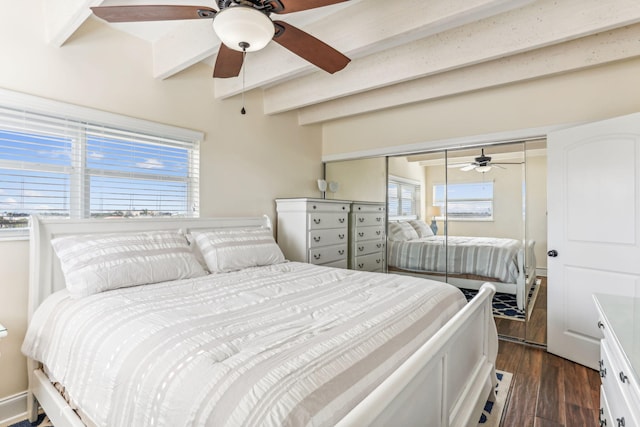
{"x": 84, "y": 121}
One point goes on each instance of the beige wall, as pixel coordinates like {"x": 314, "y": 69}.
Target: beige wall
{"x": 583, "y": 96}
{"x": 362, "y": 180}
{"x": 246, "y": 161}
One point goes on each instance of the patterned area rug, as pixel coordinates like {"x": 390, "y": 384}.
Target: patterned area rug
{"x": 504, "y": 305}
{"x": 492, "y": 413}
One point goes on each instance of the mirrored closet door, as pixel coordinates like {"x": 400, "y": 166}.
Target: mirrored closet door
{"x": 481, "y": 220}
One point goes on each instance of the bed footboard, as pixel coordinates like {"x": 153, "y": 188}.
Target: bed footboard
{"x": 446, "y": 382}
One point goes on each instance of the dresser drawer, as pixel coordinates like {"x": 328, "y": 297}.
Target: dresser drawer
{"x": 337, "y": 264}
{"x": 620, "y": 396}
{"x": 327, "y": 254}
{"x": 368, "y": 207}
{"x": 369, "y": 233}
{"x": 369, "y": 247}
{"x": 324, "y": 220}
{"x": 605, "y": 412}
{"x": 368, "y": 219}
{"x": 372, "y": 262}
{"x": 327, "y": 237}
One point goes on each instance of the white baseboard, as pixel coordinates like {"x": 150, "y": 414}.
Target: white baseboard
{"x": 13, "y": 409}
{"x": 541, "y": 272}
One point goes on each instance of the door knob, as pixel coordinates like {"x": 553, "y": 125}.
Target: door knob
{"x": 552, "y": 253}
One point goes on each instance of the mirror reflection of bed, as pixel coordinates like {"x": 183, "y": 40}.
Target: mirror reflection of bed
{"x": 495, "y": 229}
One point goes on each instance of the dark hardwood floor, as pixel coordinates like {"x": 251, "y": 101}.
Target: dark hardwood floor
{"x": 536, "y": 327}
{"x": 547, "y": 390}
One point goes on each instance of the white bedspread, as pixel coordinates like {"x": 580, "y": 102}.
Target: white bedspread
{"x": 489, "y": 257}
{"x": 285, "y": 345}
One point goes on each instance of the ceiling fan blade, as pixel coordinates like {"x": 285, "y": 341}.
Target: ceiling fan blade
{"x": 458, "y": 165}
{"x": 152, "y": 13}
{"x": 496, "y": 165}
{"x": 310, "y": 48}
{"x": 468, "y": 168}
{"x": 228, "y": 63}
{"x": 289, "y": 6}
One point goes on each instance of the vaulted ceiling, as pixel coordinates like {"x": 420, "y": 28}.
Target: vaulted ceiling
{"x": 402, "y": 51}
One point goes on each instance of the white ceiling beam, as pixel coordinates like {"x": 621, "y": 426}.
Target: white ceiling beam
{"x": 183, "y": 46}
{"x": 64, "y": 18}
{"x": 362, "y": 28}
{"x": 570, "y": 56}
{"x": 540, "y": 24}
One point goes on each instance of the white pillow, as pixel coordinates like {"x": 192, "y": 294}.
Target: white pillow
{"x": 401, "y": 230}
{"x": 421, "y": 228}
{"x": 95, "y": 263}
{"x": 234, "y": 249}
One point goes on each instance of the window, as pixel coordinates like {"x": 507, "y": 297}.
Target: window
{"x": 92, "y": 164}
{"x": 467, "y": 201}
{"x": 404, "y": 197}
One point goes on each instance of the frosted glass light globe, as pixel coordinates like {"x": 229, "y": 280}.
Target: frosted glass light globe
{"x": 238, "y": 25}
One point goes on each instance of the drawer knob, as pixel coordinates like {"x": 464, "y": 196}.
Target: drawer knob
{"x": 600, "y": 324}
{"x": 379, "y": 245}
{"x": 620, "y": 422}
{"x": 378, "y": 219}
{"x": 378, "y": 232}
{"x": 361, "y": 219}
{"x": 341, "y": 236}
{"x": 360, "y": 265}
{"x": 341, "y": 252}
{"x": 361, "y": 248}
{"x": 317, "y": 256}
{"x": 316, "y": 239}
{"x": 361, "y": 234}
{"x": 623, "y": 377}
{"x": 316, "y": 220}
{"x": 378, "y": 261}
{"x": 341, "y": 220}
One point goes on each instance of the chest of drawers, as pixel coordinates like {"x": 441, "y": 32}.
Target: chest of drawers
{"x": 367, "y": 236}
{"x": 314, "y": 230}
{"x": 619, "y": 321}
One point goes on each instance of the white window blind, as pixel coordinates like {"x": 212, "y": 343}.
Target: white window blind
{"x": 403, "y": 197}
{"x": 57, "y": 165}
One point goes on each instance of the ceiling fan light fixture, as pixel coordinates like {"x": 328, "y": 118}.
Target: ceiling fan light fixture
{"x": 482, "y": 169}
{"x": 241, "y": 27}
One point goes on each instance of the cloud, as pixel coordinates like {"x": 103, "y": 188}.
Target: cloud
{"x": 96, "y": 155}
{"x": 150, "y": 164}
{"x": 32, "y": 193}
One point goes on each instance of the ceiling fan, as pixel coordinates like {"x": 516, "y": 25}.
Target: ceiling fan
{"x": 481, "y": 164}
{"x": 242, "y": 26}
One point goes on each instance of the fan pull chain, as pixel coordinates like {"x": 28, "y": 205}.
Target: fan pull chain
{"x": 244, "y": 70}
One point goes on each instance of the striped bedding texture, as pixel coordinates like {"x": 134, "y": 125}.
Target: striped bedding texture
{"x": 288, "y": 344}
{"x": 481, "y": 256}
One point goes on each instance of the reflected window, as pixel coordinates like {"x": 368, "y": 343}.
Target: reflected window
{"x": 471, "y": 201}
{"x": 403, "y": 197}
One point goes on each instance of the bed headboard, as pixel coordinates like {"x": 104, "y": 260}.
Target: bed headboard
{"x": 45, "y": 275}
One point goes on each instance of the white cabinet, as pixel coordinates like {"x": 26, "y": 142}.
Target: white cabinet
{"x": 314, "y": 230}
{"x": 619, "y": 321}
{"x": 367, "y": 237}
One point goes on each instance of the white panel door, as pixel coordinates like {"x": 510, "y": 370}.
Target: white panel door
{"x": 593, "y": 229}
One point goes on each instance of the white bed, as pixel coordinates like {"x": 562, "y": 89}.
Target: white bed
{"x": 443, "y": 379}
{"x": 466, "y": 262}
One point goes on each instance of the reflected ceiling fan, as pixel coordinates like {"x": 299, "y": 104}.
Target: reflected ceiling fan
{"x": 242, "y": 26}
{"x": 481, "y": 164}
